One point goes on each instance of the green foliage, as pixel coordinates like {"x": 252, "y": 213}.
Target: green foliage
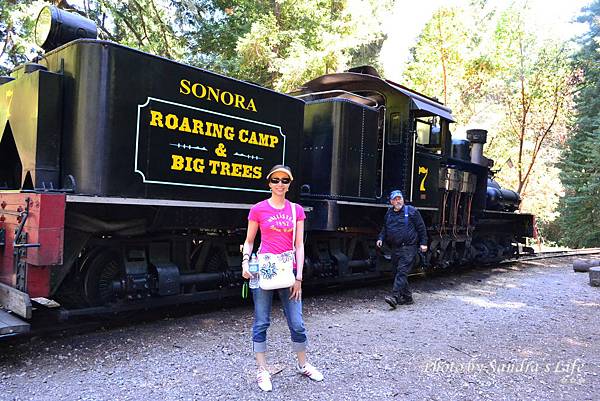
{"x": 449, "y": 63}
{"x": 276, "y": 43}
{"x": 295, "y": 41}
{"x": 580, "y": 213}
{"x": 142, "y": 24}
{"x": 16, "y": 32}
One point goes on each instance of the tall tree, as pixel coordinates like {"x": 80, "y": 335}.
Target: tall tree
{"x": 533, "y": 89}
{"x": 439, "y": 54}
{"x": 580, "y": 214}
{"x": 450, "y": 62}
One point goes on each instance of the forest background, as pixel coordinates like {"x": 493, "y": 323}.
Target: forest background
{"x": 537, "y": 95}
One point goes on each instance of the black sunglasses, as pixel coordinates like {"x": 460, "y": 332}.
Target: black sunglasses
{"x": 278, "y": 180}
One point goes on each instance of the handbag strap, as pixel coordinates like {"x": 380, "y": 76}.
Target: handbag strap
{"x": 294, "y": 229}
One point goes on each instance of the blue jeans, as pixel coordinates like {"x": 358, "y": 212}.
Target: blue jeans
{"x": 292, "y": 310}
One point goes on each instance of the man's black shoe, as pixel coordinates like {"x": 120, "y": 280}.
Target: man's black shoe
{"x": 391, "y": 301}
{"x": 406, "y": 301}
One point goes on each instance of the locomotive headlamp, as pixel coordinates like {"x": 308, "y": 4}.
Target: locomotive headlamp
{"x": 55, "y": 27}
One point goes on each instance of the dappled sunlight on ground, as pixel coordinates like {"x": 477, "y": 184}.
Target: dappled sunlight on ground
{"x": 486, "y": 303}
{"x": 572, "y": 341}
{"x": 584, "y": 303}
{"x": 501, "y": 282}
{"x": 529, "y": 352}
{"x": 481, "y": 292}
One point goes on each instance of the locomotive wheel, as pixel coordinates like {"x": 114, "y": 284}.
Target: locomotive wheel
{"x": 104, "y": 268}
{"x": 216, "y": 261}
{"x": 210, "y": 257}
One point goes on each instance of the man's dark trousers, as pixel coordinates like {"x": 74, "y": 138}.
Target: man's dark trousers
{"x": 403, "y": 258}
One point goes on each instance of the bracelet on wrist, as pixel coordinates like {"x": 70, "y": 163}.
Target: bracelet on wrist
{"x": 298, "y": 279}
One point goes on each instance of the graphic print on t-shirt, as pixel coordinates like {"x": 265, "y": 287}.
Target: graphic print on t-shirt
{"x": 281, "y": 222}
{"x": 276, "y": 225}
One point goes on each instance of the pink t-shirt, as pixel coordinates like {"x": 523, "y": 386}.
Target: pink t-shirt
{"x": 276, "y": 225}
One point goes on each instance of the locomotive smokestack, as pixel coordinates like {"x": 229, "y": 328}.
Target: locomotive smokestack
{"x": 477, "y": 137}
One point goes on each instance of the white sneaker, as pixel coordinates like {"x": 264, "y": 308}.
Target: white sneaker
{"x": 310, "y": 371}
{"x": 263, "y": 377}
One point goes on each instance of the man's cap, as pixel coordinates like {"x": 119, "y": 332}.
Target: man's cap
{"x": 281, "y": 168}
{"x": 395, "y": 193}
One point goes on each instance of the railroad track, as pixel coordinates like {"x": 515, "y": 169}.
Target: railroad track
{"x": 555, "y": 254}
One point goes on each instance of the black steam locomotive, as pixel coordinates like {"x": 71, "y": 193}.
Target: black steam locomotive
{"x": 126, "y": 178}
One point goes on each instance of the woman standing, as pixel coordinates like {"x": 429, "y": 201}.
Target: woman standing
{"x": 274, "y": 218}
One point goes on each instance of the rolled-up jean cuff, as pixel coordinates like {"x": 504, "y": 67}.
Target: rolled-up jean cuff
{"x": 299, "y": 347}
{"x": 259, "y": 347}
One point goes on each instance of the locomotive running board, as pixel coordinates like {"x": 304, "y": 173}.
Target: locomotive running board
{"x": 15, "y": 300}
{"x": 159, "y": 202}
{"x": 10, "y": 324}
{"x": 154, "y": 202}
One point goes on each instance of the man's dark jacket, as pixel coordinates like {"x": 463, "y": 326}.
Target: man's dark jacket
{"x": 398, "y": 232}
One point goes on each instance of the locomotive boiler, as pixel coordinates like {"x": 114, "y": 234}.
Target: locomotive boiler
{"x": 126, "y": 179}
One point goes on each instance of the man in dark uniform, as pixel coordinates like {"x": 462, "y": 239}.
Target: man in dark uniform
{"x": 404, "y": 231}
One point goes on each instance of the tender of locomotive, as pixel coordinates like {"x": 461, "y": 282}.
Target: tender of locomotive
{"x": 127, "y": 178}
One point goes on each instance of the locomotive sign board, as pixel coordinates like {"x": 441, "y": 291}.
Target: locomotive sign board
{"x": 189, "y": 146}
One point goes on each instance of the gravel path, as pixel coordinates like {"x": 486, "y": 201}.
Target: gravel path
{"x": 526, "y": 332}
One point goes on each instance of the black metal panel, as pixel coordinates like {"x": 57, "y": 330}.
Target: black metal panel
{"x": 339, "y": 153}
{"x": 425, "y": 181}
{"x": 138, "y": 125}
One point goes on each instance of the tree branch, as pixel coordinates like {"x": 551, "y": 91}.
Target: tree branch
{"x": 140, "y": 11}
{"x": 541, "y": 138}
{"x": 135, "y": 33}
{"x": 7, "y": 39}
{"x": 162, "y": 27}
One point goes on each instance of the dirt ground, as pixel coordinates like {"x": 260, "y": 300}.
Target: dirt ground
{"x": 528, "y": 331}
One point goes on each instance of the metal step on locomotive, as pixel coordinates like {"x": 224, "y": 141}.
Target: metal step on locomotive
{"x": 126, "y": 178}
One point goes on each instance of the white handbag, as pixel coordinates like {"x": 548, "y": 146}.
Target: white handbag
{"x": 276, "y": 270}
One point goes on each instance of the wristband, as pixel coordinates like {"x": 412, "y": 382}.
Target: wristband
{"x": 299, "y": 279}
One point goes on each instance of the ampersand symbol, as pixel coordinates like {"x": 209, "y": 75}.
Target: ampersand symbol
{"x": 221, "y": 151}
